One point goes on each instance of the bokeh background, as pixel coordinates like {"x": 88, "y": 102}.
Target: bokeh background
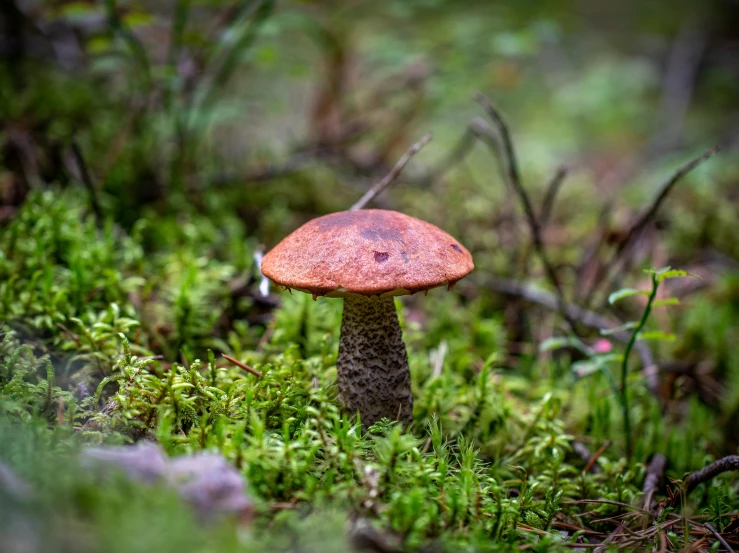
{"x": 197, "y": 133}
{"x": 151, "y": 151}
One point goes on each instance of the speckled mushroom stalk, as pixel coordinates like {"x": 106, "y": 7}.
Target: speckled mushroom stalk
{"x": 372, "y": 367}
{"x": 367, "y": 257}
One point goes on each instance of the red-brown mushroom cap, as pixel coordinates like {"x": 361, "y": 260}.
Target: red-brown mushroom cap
{"x": 368, "y": 252}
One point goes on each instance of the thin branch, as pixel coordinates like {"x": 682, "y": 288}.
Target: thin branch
{"x": 583, "y": 316}
{"x": 719, "y": 537}
{"x": 591, "y": 466}
{"x": 609, "y": 539}
{"x": 729, "y": 463}
{"x": 552, "y": 188}
{"x": 244, "y": 366}
{"x": 514, "y": 179}
{"x": 380, "y": 187}
{"x": 512, "y": 172}
{"x": 546, "y": 210}
{"x": 485, "y": 133}
{"x": 457, "y": 154}
{"x": 655, "y": 473}
{"x": 87, "y": 180}
{"x": 644, "y": 219}
{"x": 651, "y": 211}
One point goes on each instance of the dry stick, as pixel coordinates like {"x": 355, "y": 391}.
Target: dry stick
{"x": 514, "y": 179}
{"x": 591, "y": 251}
{"x": 244, "y": 366}
{"x": 378, "y": 188}
{"x": 591, "y": 466}
{"x": 485, "y": 134}
{"x": 585, "y": 317}
{"x": 582, "y": 451}
{"x": 456, "y": 155}
{"x": 552, "y": 189}
{"x": 655, "y": 472}
{"x": 643, "y": 220}
{"x": 87, "y": 180}
{"x": 719, "y": 537}
{"x": 546, "y": 207}
{"x": 69, "y": 333}
{"x": 729, "y": 463}
{"x": 610, "y": 537}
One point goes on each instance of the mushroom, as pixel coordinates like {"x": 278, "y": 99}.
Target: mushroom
{"x": 367, "y": 257}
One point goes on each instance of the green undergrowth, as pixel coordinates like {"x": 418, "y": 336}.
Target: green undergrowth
{"x": 113, "y": 336}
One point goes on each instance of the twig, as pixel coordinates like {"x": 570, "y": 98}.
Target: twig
{"x": 511, "y": 166}
{"x": 728, "y": 463}
{"x": 546, "y": 210}
{"x": 69, "y": 333}
{"x": 87, "y": 180}
{"x": 541, "y": 297}
{"x": 644, "y": 219}
{"x": 552, "y": 188}
{"x": 486, "y": 134}
{"x": 456, "y": 155}
{"x": 603, "y": 502}
{"x": 244, "y": 366}
{"x": 583, "y": 452}
{"x": 583, "y": 316}
{"x": 514, "y": 179}
{"x": 610, "y": 537}
{"x": 719, "y": 537}
{"x": 655, "y": 472}
{"x": 378, "y": 188}
{"x": 591, "y": 466}
{"x": 650, "y": 212}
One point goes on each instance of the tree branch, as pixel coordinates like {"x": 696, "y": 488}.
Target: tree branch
{"x": 380, "y": 187}
{"x": 644, "y": 219}
{"x": 655, "y": 472}
{"x": 583, "y": 316}
{"x": 552, "y": 189}
{"x": 514, "y": 179}
{"x": 729, "y": 463}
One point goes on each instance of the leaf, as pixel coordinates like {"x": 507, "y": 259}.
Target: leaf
{"x": 657, "y": 335}
{"x": 657, "y": 272}
{"x": 667, "y": 301}
{"x": 560, "y": 342}
{"x": 136, "y": 19}
{"x": 675, "y": 273}
{"x": 625, "y": 293}
{"x": 625, "y": 326}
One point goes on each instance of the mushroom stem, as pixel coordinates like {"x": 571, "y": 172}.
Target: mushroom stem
{"x": 372, "y": 366}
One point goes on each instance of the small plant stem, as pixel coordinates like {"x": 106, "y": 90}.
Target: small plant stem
{"x": 625, "y": 366}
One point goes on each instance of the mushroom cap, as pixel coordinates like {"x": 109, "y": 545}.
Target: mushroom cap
{"x": 368, "y": 252}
